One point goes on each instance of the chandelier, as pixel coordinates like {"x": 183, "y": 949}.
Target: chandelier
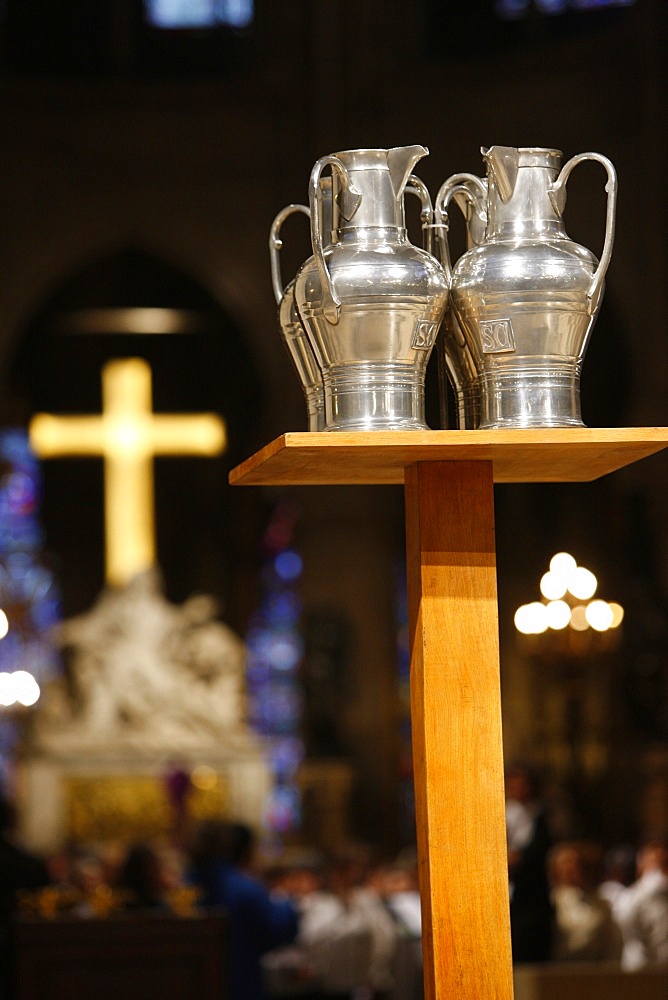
{"x": 569, "y": 618}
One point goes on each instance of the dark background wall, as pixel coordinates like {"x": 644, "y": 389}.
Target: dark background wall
{"x": 138, "y": 165}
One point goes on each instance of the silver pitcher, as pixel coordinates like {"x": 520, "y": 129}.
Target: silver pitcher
{"x": 370, "y": 302}
{"x": 293, "y": 333}
{"x": 456, "y": 362}
{"x": 526, "y": 298}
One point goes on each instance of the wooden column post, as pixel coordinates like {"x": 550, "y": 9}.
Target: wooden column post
{"x": 456, "y": 720}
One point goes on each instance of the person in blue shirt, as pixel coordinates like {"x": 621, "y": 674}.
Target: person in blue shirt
{"x": 220, "y": 858}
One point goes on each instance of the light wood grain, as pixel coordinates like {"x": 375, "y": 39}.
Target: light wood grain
{"x": 578, "y": 454}
{"x": 456, "y": 720}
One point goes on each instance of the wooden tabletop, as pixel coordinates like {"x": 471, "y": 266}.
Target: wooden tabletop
{"x": 543, "y": 455}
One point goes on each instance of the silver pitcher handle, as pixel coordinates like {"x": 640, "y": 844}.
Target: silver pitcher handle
{"x": 352, "y": 198}
{"x": 557, "y": 193}
{"x": 470, "y": 193}
{"x": 417, "y": 187}
{"x": 275, "y": 244}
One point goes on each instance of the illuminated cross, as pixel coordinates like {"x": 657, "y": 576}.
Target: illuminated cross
{"x": 127, "y": 434}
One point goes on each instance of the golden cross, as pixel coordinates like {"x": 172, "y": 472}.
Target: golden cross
{"x": 127, "y": 434}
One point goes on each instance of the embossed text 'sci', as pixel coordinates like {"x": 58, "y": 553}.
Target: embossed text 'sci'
{"x": 424, "y": 334}
{"x": 497, "y": 336}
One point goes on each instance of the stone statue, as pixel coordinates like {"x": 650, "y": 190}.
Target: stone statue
{"x": 143, "y": 672}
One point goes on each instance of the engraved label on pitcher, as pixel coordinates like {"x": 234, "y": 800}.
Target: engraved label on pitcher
{"x": 424, "y": 334}
{"x": 497, "y": 336}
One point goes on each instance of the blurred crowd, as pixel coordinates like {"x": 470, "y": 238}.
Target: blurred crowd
{"x": 347, "y": 926}
{"x": 575, "y": 900}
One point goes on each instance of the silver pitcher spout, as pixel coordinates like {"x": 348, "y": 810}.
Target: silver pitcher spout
{"x": 370, "y": 302}
{"x": 526, "y": 298}
{"x": 503, "y": 164}
{"x": 400, "y": 162}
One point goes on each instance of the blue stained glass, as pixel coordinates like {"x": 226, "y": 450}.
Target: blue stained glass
{"x": 285, "y": 651}
{"x": 257, "y": 640}
{"x": 598, "y": 4}
{"x": 8, "y": 734}
{"x": 552, "y": 6}
{"x": 14, "y": 447}
{"x": 282, "y": 605}
{"x": 279, "y": 706}
{"x": 11, "y": 650}
{"x": 19, "y": 564}
{"x": 21, "y": 491}
{"x": 257, "y": 674}
{"x": 46, "y": 614}
{"x": 285, "y": 755}
{"x": 283, "y": 808}
{"x": 513, "y": 10}
{"x": 40, "y": 581}
{"x": 278, "y": 648}
{"x": 202, "y": 14}
{"x": 275, "y": 649}
{"x": 238, "y": 13}
{"x": 288, "y": 565}
{"x": 29, "y": 594}
{"x": 20, "y": 535}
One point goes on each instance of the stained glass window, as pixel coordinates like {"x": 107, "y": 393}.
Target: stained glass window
{"x": 514, "y": 9}
{"x": 275, "y": 652}
{"x": 29, "y": 592}
{"x": 199, "y": 14}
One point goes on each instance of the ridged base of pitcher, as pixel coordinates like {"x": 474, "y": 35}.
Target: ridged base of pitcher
{"x": 530, "y": 396}
{"x": 387, "y": 397}
{"x": 315, "y": 407}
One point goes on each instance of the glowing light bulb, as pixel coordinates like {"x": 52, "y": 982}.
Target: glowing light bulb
{"x": 617, "y": 614}
{"x": 578, "y": 620}
{"x": 525, "y": 619}
{"x": 4, "y": 624}
{"x": 26, "y": 688}
{"x": 599, "y": 615}
{"x": 582, "y": 584}
{"x": 563, "y": 564}
{"x": 552, "y": 586}
{"x": 531, "y": 619}
{"x": 558, "y": 615}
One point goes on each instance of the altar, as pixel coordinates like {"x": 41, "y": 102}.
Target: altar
{"x": 146, "y": 729}
{"x": 146, "y": 726}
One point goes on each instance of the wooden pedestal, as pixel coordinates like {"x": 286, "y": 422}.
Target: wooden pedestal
{"x": 455, "y": 686}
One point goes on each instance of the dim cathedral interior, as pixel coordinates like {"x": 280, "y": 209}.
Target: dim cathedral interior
{"x": 141, "y": 166}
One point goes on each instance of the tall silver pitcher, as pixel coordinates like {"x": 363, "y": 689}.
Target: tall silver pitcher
{"x": 456, "y": 361}
{"x": 294, "y": 335}
{"x": 527, "y": 297}
{"x": 370, "y": 302}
